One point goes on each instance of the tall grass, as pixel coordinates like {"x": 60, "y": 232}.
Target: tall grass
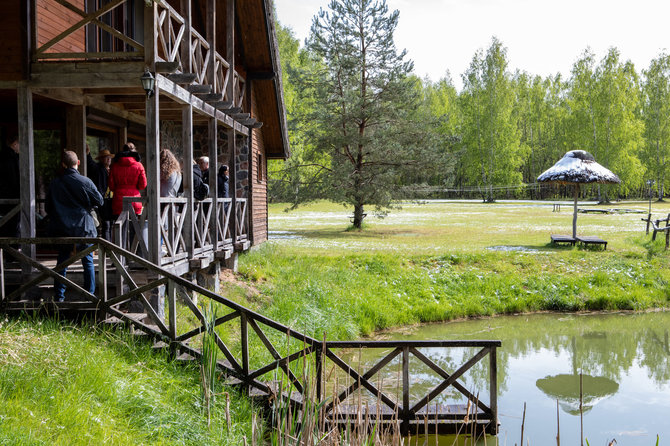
{"x": 209, "y": 351}
{"x": 68, "y": 384}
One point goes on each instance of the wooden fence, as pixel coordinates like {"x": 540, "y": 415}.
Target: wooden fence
{"x": 278, "y": 350}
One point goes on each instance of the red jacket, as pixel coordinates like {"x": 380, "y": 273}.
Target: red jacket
{"x": 126, "y": 179}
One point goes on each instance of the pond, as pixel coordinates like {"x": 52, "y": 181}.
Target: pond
{"x": 624, "y": 359}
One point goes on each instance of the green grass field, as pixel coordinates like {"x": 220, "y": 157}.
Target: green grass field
{"x": 443, "y": 260}
{"x": 67, "y": 384}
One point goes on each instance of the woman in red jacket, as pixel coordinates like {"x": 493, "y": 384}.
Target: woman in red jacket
{"x": 126, "y": 178}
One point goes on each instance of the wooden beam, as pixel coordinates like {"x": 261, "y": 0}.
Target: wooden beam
{"x": 27, "y": 168}
{"x": 153, "y": 178}
{"x": 240, "y": 116}
{"x": 199, "y": 89}
{"x": 182, "y": 78}
{"x": 75, "y": 134}
{"x": 187, "y": 178}
{"x": 167, "y": 67}
{"x": 213, "y": 138}
{"x": 230, "y": 48}
{"x": 187, "y": 42}
{"x": 180, "y": 95}
{"x": 150, "y": 38}
{"x": 210, "y": 97}
{"x": 211, "y": 39}
{"x": 84, "y": 80}
{"x": 261, "y": 75}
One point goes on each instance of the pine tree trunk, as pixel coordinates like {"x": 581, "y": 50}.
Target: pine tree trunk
{"x": 358, "y": 216}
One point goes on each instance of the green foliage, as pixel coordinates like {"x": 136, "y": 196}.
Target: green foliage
{"x": 493, "y": 153}
{"x": 656, "y": 116}
{"x": 366, "y": 131}
{"x": 364, "y": 118}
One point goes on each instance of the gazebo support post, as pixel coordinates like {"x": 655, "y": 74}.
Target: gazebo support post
{"x": 574, "y": 217}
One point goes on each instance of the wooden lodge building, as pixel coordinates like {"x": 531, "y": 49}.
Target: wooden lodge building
{"x": 71, "y": 75}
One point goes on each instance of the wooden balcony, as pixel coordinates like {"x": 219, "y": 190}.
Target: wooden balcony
{"x": 113, "y": 45}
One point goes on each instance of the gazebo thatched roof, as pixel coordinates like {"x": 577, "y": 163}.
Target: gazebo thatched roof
{"x": 578, "y": 167}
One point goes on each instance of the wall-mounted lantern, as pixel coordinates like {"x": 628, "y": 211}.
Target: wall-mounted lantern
{"x": 148, "y": 83}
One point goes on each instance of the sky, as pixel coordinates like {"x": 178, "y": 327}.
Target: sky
{"x": 543, "y": 37}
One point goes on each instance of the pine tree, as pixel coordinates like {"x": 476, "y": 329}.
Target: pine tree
{"x": 366, "y": 117}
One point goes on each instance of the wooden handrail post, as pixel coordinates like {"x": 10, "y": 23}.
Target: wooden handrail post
{"x": 102, "y": 281}
{"x": 27, "y": 169}
{"x": 172, "y": 321}
{"x": 318, "y": 357}
{"x": 3, "y": 294}
{"x": 404, "y": 427}
{"x": 493, "y": 390}
{"x": 244, "y": 341}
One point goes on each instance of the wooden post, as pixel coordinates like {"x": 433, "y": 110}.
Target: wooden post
{"x": 404, "y": 427}
{"x": 211, "y": 39}
{"x": 648, "y": 222}
{"x": 574, "y": 216}
{"x": 187, "y": 43}
{"x": 318, "y": 355}
{"x": 213, "y": 157}
{"x": 493, "y": 390}
{"x": 101, "y": 279}
{"x": 27, "y": 169}
{"x": 187, "y": 178}
{"x": 230, "y": 95}
{"x": 244, "y": 341}
{"x": 152, "y": 139}
{"x": 75, "y": 134}
{"x": 172, "y": 322}
{"x": 232, "y": 184}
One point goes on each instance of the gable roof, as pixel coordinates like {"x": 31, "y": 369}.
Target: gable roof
{"x": 258, "y": 44}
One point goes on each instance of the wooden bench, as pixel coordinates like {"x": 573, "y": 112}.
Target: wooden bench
{"x": 656, "y": 224}
{"x": 592, "y": 240}
{"x": 557, "y": 238}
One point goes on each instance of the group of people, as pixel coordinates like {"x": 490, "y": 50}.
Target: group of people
{"x": 72, "y": 197}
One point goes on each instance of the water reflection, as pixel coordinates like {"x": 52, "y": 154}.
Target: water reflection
{"x": 566, "y": 389}
{"x": 625, "y": 359}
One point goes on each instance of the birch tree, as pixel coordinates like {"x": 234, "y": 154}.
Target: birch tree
{"x": 656, "y": 116}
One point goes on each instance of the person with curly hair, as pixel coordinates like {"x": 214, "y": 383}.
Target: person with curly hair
{"x": 170, "y": 174}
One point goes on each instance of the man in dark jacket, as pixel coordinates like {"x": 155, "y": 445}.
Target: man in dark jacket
{"x": 200, "y": 188}
{"x": 70, "y": 199}
{"x": 10, "y": 185}
{"x": 99, "y": 174}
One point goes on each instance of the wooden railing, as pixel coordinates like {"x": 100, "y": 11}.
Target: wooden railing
{"x": 223, "y": 210}
{"x": 16, "y": 203}
{"x": 106, "y": 33}
{"x": 93, "y": 35}
{"x": 130, "y": 229}
{"x": 305, "y": 364}
{"x": 170, "y": 29}
{"x": 241, "y": 220}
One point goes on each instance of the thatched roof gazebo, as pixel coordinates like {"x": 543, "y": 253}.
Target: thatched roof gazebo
{"x": 577, "y": 167}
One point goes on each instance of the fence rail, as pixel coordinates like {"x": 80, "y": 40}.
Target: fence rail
{"x": 279, "y": 351}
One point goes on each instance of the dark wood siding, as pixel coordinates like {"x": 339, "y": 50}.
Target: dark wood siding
{"x": 11, "y": 60}
{"x": 53, "y": 19}
{"x": 259, "y": 187}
